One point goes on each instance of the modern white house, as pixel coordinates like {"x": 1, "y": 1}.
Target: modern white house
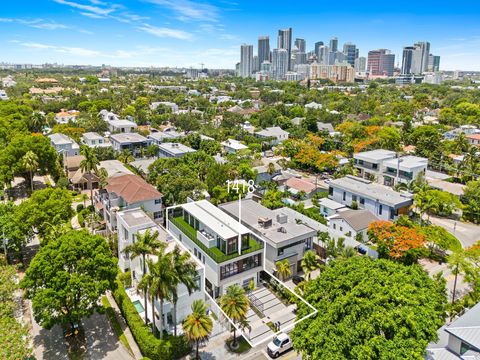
{"x": 276, "y": 133}
{"x": 93, "y": 139}
{"x": 173, "y": 150}
{"x": 131, "y": 223}
{"x": 403, "y": 170}
{"x": 108, "y": 115}
{"x": 350, "y": 224}
{"x": 370, "y": 163}
{"x": 64, "y": 145}
{"x": 127, "y": 191}
{"x": 284, "y": 236}
{"x": 231, "y": 146}
{"x": 163, "y": 136}
{"x": 132, "y": 142}
{"x": 231, "y": 253}
{"x": 382, "y": 201}
{"x": 459, "y": 340}
{"x": 329, "y": 207}
{"x": 121, "y": 126}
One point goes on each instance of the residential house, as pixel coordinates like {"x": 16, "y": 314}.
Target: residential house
{"x": 164, "y": 136}
{"x": 232, "y": 254}
{"x": 173, "y": 150}
{"x": 276, "y": 133}
{"x": 327, "y": 127}
{"x": 108, "y": 115}
{"x": 131, "y": 223}
{"x": 114, "y": 168}
{"x": 3, "y": 95}
{"x": 64, "y": 116}
{"x": 313, "y": 106}
{"x": 64, "y": 145}
{"x": 459, "y": 340}
{"x": 77, "y": 177}
{"x": 93, "y": 139}
{"x": 369, "y": 163}
{"x": 121, "y": 126}
{"x": 384, "y": 202}
{"x": 473, "y": 139}
{"x": 403, "y": 170}
{"x": 350, "y": 225}
{"x": 329, "y": 207}
{"x": 169, "y": 105}
{"x": 264, "y": 174}
{"x": 132, "y": 142}
{"x": 297, "y": 185}
{"x": 231, "y": 146}
{"x": 284, "y": 237}
{"x": 127, "y": 191}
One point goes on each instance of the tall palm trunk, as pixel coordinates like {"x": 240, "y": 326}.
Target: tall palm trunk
{"x": 145, "y": 291}
{"x": 197, "y": 350}
{"x": 153, "y": 314}
{"x": 175, "y": 317}
{"x": 161, "y": 318}
{"x": 234, "y": 343}
{"x": 91, "y": 187}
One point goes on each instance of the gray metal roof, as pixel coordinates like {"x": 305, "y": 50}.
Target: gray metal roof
{"x": 467, "y": 327}
{"x": 357, "y": 219}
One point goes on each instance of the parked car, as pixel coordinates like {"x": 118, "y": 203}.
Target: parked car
{"x": 280, "y": 344}
{"x": 297, "y": 279}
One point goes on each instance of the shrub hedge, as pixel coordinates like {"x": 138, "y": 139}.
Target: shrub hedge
{"x": 170, "y": 347}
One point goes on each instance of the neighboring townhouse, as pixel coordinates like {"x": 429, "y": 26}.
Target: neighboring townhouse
{"x": 350, "y": 225}
{"x": 473, "y": 139}
{"x": 382, "y": 201}
{"x": 173, "y": 150}
{"x": 64, "y": 116}
{"x": 132, "y": 142}
{"x": 64, "y": 145}
{"x": 329, "y": 207}
{"x": 297, "y": 185}
{"x": 403, "y": 170}
{"x": 93, "y": 139}
{"x": 231, "y": 146}
{"x": 459, "y": 340}
{"x": 369, "y": 163}
{"x": 232, "y": 254}
{"x": 276, "y": 133}
{"x": 127, "y": 191}
{"x": 121, "y": 126}
{"x": 284, "y": 237}
{"x": 133, "y": 222}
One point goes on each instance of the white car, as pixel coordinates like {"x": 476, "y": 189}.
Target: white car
{"x": 279, "y": 345}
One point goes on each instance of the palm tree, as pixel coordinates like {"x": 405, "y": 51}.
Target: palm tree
{"x": 146, "y": 286}
{"x": 164, "y": 278}
{"x": 84, "y": 198}
{"x": 102, "y": 175}
{"x": 186, "y": 274}
{"x": 284, "y": 270}
{"x": 30, "y": 163}
{"x": 125, "y": 156}
{"x": 37, "y": 121}
{"x": 235, "y": 304}
{"x": 310, "y": 263}
{"x": 89, "y": 165}
{"x": 198, "y": 325}
{"x": 145, "y": 244}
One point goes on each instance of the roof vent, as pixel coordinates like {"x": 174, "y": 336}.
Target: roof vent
{"x": 282, "y": 230}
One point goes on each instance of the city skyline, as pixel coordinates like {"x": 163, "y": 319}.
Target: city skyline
{"x": 185, "y": 33}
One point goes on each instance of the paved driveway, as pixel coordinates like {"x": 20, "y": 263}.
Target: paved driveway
{"x": 467, "y": 233}
{"x": 102, "y": 342}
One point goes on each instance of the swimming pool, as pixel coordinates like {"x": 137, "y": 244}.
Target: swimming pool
{"x": 138, "y": 305}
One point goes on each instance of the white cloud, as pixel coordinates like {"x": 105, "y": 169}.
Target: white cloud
{"x": 36, "y": 23}
{"x": 189, "y": 10}
{"x": 165, "y": 32}
{"x": 89, "y": 10}
{"x": 76, "y": 51}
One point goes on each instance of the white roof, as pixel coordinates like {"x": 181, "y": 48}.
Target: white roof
{"x": 215, "y": 219}
{"x": 330, "y": 204}
{"x": 407, "y": 162}
{"x": 234, "y": 144}
{"x": 272, "y": 131}
{"x": 92, "y": 136}
{"x": 128, "y": 138}
{"x": 375, "y": 155}
{"x": 122, "y": 122}
{"x": 60, "y": 139}
{"x": 114, "y": 168}
{"x": 176, "y": 148}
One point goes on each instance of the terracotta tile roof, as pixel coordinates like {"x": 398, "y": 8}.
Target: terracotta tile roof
{"x": 300, "y": 184}
{"x": 473, "y": 136}
{"x": 132, "y": 188}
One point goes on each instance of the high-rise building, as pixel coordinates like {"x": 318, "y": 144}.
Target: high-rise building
{"x": 334, "y": 44}
{"x": 263, "y": 49}
{"x": 246, "y": 60}
{"x": 360, "y": 64}
{"x": 317, "y": 48}
{"x": 338, "y": 73}
{"x": 350, "y": 52}
{"x": 433, "y": 63}
{"x": 285, "y": 42}
{"x": 381, "y": 62}
{"x": 256, "y": 65}
{"x": 323, "y": 56}
{"x": 279, "y": 63}
{"x": 301, "y": 45}
{"x": 415, "y": 58}
{"x": 300, "y": 56}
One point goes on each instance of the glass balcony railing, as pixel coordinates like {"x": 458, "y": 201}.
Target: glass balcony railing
{"x": 214, "y": 253}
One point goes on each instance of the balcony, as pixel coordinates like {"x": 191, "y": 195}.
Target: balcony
{"x": 214, "y": 253}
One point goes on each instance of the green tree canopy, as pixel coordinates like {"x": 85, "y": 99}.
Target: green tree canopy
{"x": 370, "y": 309}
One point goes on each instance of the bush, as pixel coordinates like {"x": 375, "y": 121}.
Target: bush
{"x": 79, "y": 207}
{"x": 90, "y": 208}
{"x": 62, "y": 183}
{"x": 150, "y": 346}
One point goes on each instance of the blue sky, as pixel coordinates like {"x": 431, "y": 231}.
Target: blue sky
{"x": 187, "y": 32}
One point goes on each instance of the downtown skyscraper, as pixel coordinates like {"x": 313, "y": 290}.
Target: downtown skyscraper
{"x": 415, "y": 58}
{"x": 263, "y": 49}
{"x": 279, "y": 63}
{"x": 246, "y": 61}
{"x": 285, "y": 42}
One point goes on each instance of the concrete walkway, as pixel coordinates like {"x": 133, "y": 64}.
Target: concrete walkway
{"x": 467, "y": 233}
{"x": 126, "y": 330}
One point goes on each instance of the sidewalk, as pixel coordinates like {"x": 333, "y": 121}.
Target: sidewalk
{"x": 128, "y": 334}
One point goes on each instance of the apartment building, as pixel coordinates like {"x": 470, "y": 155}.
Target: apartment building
{"x": 135, "y": 221}
{"x": 132, "y": 142}
{"x": 127, "y": 191}
{"x": 380, "y": 200}
{"x": 369, "y": 163}
{"x": 284, "y": 236}
{"x": 231, "y": 253}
